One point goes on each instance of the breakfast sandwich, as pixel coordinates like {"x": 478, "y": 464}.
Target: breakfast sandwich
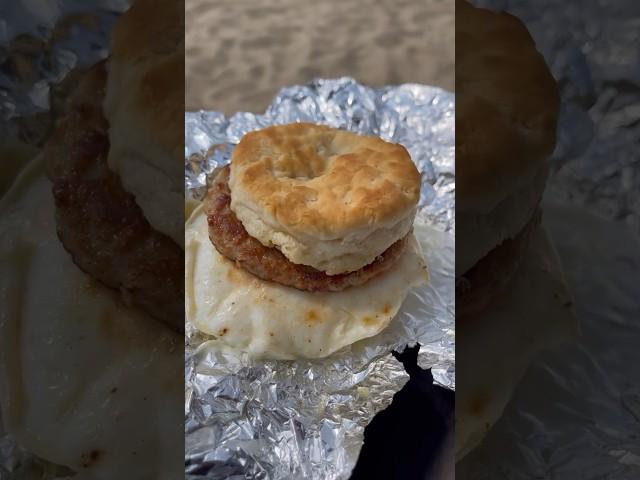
{"x": 511, "y": 299}
{"x": 115, "y": 161}
{"x": 304, "y": 243}
{"x": 507, "y": 109}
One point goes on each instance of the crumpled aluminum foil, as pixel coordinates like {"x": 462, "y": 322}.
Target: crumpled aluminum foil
{"x": 576, "y": 415}
{"x": 40, "y": 43}
{"x": 306, "y": 419}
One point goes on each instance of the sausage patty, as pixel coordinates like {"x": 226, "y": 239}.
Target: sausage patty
{"x": 490, "y": 277}
{"x": 231, "y": 239}
{"x": 98, "y": 222}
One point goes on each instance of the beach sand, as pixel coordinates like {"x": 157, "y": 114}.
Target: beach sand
{"x": 239, "y": 53}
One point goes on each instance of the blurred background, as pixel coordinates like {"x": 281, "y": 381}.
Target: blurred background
{"x": 239, "y": 53}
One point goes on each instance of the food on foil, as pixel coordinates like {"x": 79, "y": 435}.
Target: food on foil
{"x": 89, "y": 379}
{"x": 232, "y": 241}
{"x": 497, "y": 345}
{"x": 308, "y": 409}
{"x": 100, "y": 223}
{"x": 509, "y": 287}
{"x": 304, "y": 244}
{"x": 506, "y": 130}
{"x": 86, "y": 382}
{"x": 115, "y": 161}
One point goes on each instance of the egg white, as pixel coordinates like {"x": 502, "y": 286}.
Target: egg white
{"x": 85, "y": 381}
{"x": 495, "y": 347}
{"x": 269, "y": 320}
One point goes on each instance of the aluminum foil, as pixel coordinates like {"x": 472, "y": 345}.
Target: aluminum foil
{"x": 306, "y": 419}
{"x": 576, "y": 415}
{"x": 40, "y": 43}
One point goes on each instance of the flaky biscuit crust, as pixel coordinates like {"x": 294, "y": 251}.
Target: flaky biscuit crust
{"x": 146, "y": 70}
{"x": 233, "y": 242}
{"x": 506, "y": 107}
{"x": 320, "y": 193}
{"x": 144, "y": 107}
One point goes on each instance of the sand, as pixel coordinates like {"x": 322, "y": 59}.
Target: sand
{"x": 239, "y": 53}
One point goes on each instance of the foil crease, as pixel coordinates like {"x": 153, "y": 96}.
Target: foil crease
{"x": 306, "y": 419}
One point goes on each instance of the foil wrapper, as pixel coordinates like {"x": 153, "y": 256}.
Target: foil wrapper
{"x": 306, "y": 419}
{"x": 41, "y": 42}
{"x": 576, "y": 414}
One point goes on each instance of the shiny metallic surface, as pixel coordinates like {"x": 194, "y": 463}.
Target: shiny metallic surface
{"x": 305, "y": 419}
{"x": 40, "y": 43}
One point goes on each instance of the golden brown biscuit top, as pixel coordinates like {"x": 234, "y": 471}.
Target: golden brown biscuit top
{"x": 323, "y": 181}
{"x": 148, "y": 56}
{"x": 506, "y": 107}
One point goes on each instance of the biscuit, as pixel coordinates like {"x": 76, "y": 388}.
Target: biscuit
{"x": 507, "y": 106}
{"x": 326, "y": 198}
{"x": 145, "y": 108}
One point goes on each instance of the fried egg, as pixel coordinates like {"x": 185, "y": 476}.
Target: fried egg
{"x": 269, "y": 320}
{"x": 86, "y": 382}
